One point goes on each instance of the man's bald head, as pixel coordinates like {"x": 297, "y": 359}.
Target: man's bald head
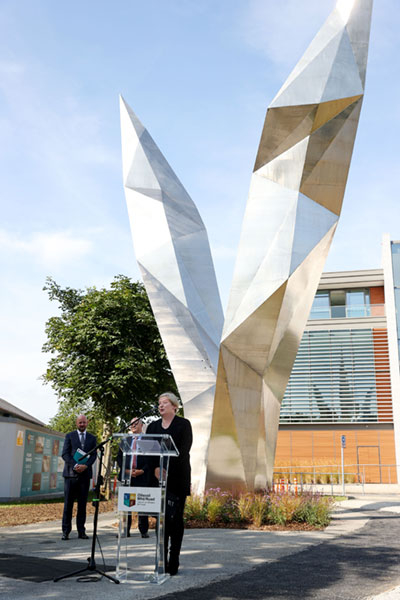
{"x": 81, "y": 423}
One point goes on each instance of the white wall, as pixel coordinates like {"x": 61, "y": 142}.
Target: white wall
{"x": 392, "y": 341}
{"x": 11, "y": 458}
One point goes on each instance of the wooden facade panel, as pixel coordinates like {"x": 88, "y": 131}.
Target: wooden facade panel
{"x": 377, "y": 295}
{"x": 283, "y": 448}
{"x": 368, "y": 437}
{"x": 369, "y": 461}
{"x": 370, "y": 446}
{"x": 302, "y": 445}
{"x": 324, "y": 446}
{"x": 388, "y": 456}
{"x": 382, "y": 375}
{"x": 377, "y": 299}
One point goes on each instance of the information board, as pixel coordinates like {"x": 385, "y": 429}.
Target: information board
{"x": 43, "y": 464}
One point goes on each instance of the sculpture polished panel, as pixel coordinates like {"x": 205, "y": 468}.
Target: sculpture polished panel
{"x": 173, "y": 254}
{"x": 294, "y": 203}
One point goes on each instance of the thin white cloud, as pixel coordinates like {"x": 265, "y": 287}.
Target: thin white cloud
{"x": 25, "y": 308}
{"x": 55, "y": 131}
{"x": 279, "y": 30}
{"x": 48, "y": 248}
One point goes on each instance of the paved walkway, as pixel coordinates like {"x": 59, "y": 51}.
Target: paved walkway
{"x": 356, "y": 557}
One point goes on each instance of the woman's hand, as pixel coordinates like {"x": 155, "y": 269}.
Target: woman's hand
{"x": 157, "y": 473}
{"x": 136, "y": 472}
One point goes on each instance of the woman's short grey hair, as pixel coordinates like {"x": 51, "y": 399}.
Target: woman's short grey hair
{"x": 172, "y": 398}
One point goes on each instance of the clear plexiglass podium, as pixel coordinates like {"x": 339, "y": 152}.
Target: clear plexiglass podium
{"x": 143, "y": 500}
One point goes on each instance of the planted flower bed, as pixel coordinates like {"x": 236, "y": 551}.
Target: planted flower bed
{"x": 258, "y": 510}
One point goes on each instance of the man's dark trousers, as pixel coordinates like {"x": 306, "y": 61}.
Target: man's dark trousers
{"x": 75, "y": 489}
{"x": 76, "y": 485}
{"x": 140, "y": 481}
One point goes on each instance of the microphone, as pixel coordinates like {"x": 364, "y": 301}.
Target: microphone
{"x": 141, "y": 417}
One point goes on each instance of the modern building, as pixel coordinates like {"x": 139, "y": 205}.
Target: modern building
{"x": 346, "y": 380}
{"x": 31, "y": 462}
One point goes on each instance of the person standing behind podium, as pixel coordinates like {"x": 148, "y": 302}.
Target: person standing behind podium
{"x": 77, "y": 476}
{"x": 178, "y": 479}
{"x": 136, "y": 470}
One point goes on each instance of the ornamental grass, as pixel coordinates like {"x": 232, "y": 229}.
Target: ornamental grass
{"x": 217, "y": 508}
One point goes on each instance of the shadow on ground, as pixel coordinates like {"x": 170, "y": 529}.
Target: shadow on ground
{"x": 351, "y": 567}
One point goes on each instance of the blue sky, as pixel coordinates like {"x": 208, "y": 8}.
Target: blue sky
{"x": 200, "y": 75}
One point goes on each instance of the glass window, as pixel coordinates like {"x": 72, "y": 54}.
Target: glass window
{"x": 397, "y": 303}
{"x": 338, "y": 304}
{"x": 321, "y": 308}
{"x": 396, "y": 264}
{"x": 334, "y": 378}
{"x": 396, "y": 281}
{"x": 358, "y": 303}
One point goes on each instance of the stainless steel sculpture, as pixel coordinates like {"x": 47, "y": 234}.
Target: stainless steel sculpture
{"x": 294, "y": 203}
{"x": 174, "y": 257}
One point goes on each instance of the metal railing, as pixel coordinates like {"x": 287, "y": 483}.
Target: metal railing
{"x": 348, "y": 311}
{"x": 305, "y": 476}
{"x": 303, "y": 482}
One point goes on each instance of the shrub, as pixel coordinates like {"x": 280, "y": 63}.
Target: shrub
{"x": 214, "y": 509}
{"x": 308, "y": 478}
{"x": 277, "y": 508}
{"x": 195, "y": 508}
{"x": 259, "y": 509}
{"x": 244, "y": 506}
{"x": 283, "y": 507}
{"x": 323, "y": 478}
{"x": 223, "y": 506}
{"x": 315, "y": 510}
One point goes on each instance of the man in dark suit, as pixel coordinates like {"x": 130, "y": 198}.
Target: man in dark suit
{"x": 136, "y": 473}
{"x": 77, "y": 476}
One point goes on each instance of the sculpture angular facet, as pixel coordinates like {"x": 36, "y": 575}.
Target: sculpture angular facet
{"x": 174, "y": 257}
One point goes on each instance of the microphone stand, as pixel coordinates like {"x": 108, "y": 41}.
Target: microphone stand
{"x": 96, "y": 502}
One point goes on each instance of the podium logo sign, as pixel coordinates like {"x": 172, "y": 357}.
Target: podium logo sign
{"x": 139, "y": 499}
{"x": 129, "y": 499}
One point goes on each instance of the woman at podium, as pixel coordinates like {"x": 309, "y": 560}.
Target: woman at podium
{"x": 178, "y": 481}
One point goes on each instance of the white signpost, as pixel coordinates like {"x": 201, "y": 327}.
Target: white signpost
{"x": 343, "y": 446}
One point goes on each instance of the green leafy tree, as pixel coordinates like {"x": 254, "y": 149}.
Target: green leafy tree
{"x": 106, "y": 348}
{"x": 106, "y": 351}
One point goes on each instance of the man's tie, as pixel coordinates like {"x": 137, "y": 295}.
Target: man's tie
{"x": 82, "y": 440}
{"x": 134, "y": 457}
